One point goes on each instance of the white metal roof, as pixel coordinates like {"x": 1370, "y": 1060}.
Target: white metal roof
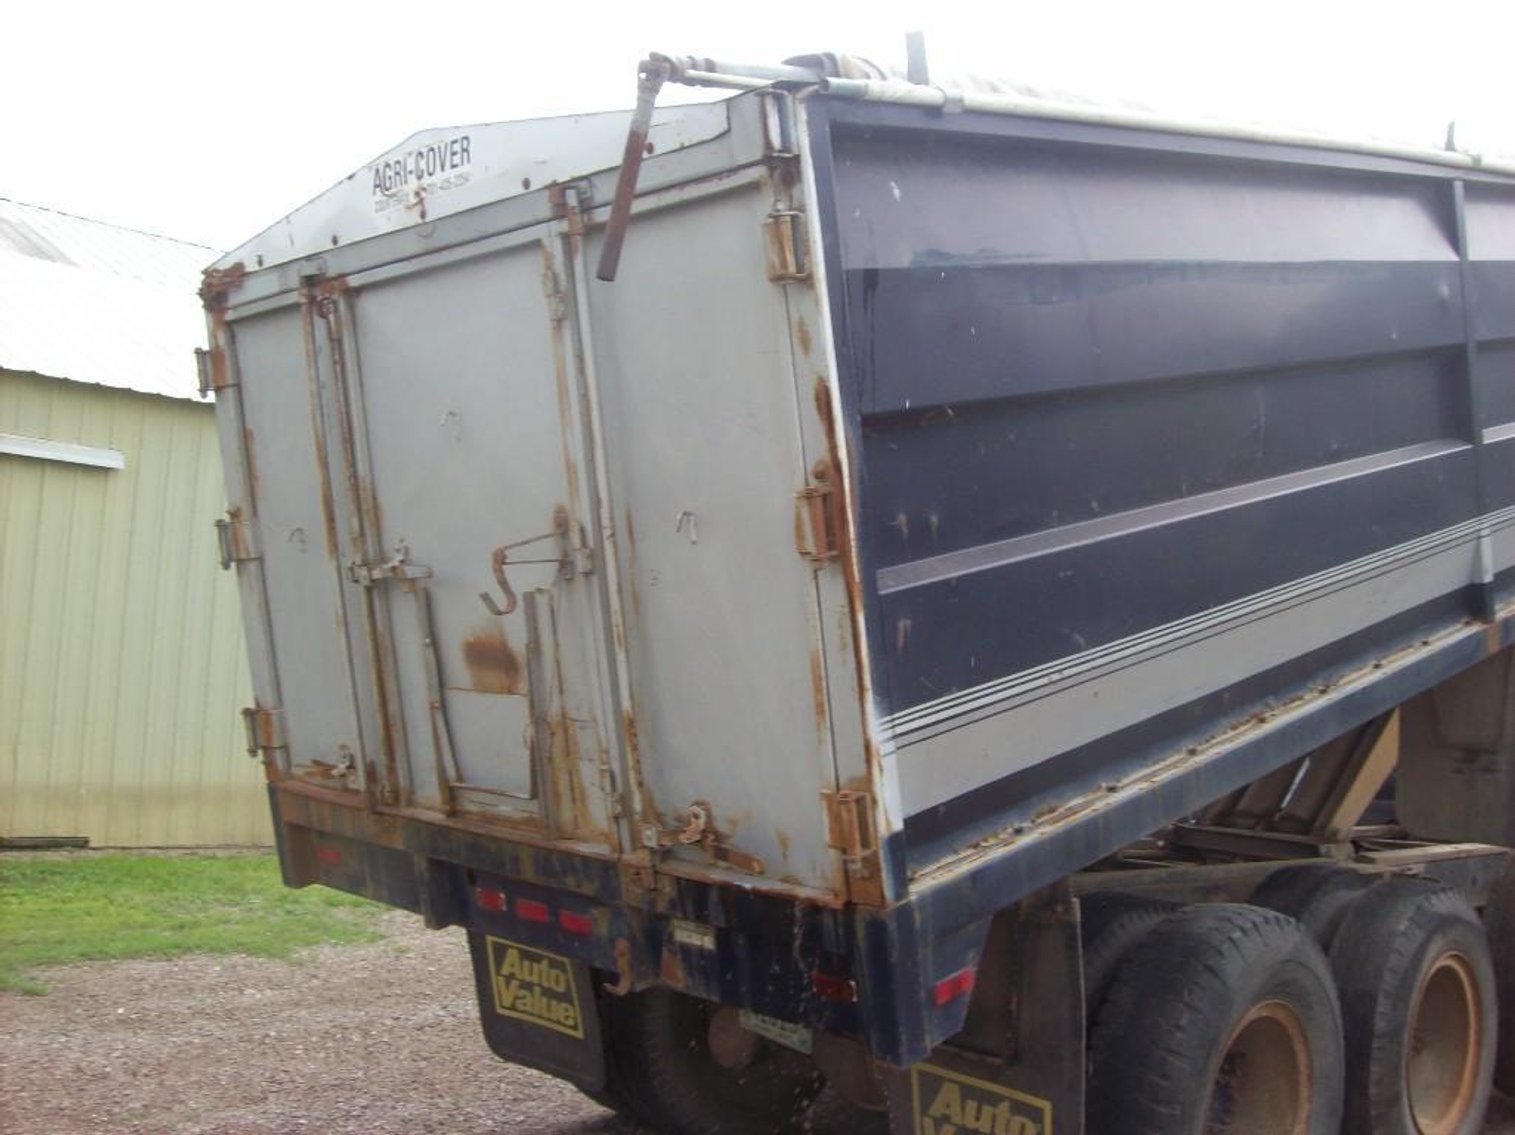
{"x": 91, "y": 302}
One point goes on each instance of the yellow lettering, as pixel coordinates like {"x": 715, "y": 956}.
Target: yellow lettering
{"x": 930, "y": 1126}
{"x": 948, "y": 1103}
{"x": 1020, "y": 1125}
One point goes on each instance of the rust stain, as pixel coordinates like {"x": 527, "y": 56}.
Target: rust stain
{"x": 631, "y": 552}
{"x": 818, "y": 690}
{"x": 217, "y": 284}
{"x": 556, "y": 301}
{"x": 646, "y": 806}
{"x": 782, "y": 837}
{"x": 672, "y": 969}
{"x": 802, "y": 333}
{"x": 851, "y": 579}
{"x": 493, "y": 665}
{"x": 572, "y": 801}
{"x": 250, "y": 443}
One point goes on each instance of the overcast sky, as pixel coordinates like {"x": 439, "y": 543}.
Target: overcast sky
{"x": 209, "y": 121}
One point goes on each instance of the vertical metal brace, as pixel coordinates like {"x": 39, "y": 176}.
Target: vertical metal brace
{"x": 443, "y": 756}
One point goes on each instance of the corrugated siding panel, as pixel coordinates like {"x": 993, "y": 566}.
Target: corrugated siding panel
{"x": 122, "y": 670}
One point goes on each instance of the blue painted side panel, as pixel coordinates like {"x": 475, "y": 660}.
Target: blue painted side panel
{"x": 1098, "y": 382}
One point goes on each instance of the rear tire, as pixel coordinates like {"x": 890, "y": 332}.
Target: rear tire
{"x": 1418, "y": 1005}
{"x": 668, "y": 1078}
{"x": 1110, "y": 924}
{"x": 1499, "y": 921}
{"x": 1316, "y": 895}
{"x": 1222, "y": 1019}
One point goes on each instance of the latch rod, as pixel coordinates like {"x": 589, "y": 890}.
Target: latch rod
{"x": 651, "y": 75}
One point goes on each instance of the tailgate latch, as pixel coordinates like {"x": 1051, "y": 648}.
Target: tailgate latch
{"x": 397, "y": 567}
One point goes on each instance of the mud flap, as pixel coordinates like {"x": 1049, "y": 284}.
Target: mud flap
{"x": 1017, "y": 1067}
{"x": 539, "y": 1009}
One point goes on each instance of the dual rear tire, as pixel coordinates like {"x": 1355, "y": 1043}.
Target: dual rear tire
{"x": 1356, "y": 1008}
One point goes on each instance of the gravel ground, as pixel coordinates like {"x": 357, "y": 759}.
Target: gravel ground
{"x": 356, "y": 1040}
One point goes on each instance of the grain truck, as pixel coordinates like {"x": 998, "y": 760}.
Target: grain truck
{"x": 1000, "y": 606}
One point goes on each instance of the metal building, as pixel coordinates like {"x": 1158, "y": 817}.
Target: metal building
{"x": 122, "y": 671}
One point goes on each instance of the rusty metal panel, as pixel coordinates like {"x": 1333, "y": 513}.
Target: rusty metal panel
{"x": 562, "y": 521}
{"x": 300, "y": 528}
{"x": 473, "y": 468}
{"x": 121, "y": 663}
{"x": 706, "y": 454}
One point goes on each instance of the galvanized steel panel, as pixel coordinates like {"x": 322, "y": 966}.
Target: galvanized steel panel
{"x": 133, "y": 291}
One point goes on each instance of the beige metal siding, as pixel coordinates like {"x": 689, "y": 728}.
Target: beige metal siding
{"x": 122, "y": 671}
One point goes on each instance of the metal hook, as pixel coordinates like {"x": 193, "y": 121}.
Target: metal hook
{"x": 497, "y": 560}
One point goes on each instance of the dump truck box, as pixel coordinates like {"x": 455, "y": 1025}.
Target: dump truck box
{"x": 938, "y": 499}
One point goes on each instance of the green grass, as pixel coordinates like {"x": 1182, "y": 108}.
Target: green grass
{"x": 99, "y": 907}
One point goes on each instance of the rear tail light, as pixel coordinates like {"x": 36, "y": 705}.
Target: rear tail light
{"x": 489, "y": 898}
{"x": 959, "y": 984}
{"x": 831, "y": 987}
{"x": 532, "y": 911}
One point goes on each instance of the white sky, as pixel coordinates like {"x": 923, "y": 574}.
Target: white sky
{"x": 209, "y": 121}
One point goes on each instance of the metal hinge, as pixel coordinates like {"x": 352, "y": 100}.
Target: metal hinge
{"x": 817, "y": 530}
{"x": 234, "y": 539}
{"x": 210, "y": 366}
{"x": 786, "y": 245}
{"x": 265, "y": 730}
{"x": 850, "y": 830}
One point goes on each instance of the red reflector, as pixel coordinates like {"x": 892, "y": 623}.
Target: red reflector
{"x": 488, "y": 898}
{"x": 829, "y": 987}
{"x": 331, "y": 856}
{"x": 958, "y": 985}
{"x": 533, "y": 911}
{"x": 575, "y": 923}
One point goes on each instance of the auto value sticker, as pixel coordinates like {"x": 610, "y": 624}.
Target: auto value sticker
{"x": 535, "y": 986}
{"x": 947, "y": 1103}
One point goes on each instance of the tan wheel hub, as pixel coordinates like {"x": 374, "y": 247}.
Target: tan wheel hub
{"x": 1441, "y": 1059}
{"x": 1262, "y": 1084}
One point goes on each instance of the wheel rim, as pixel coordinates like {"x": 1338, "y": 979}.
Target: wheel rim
{"x": 1441, "y": 1061}
{"x": 1262, "y": 1083}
